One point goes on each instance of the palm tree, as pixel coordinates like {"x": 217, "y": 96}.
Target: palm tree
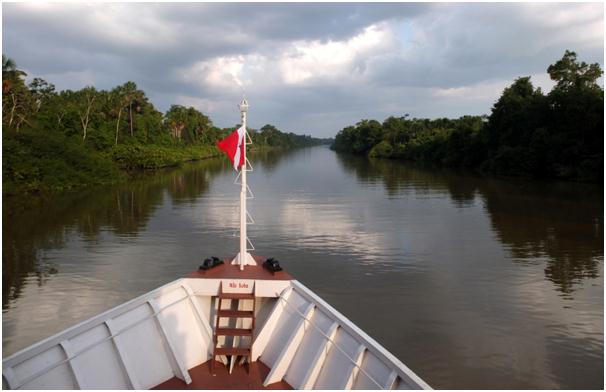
{"x": 10, "y": 73}
{"x": 8, "y": 64}
{"x": 14, "y": 94}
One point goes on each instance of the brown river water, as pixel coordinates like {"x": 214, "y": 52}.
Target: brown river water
{"x": 473, "y": 282}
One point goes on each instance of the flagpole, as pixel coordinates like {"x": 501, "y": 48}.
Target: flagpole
{"x": 243, "y": 252}
{"x": 243, "y": 257}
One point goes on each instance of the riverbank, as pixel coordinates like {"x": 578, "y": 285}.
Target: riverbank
{"x": 553, "y": 136}
{"x": 39, "y": 163}
{"x": 60, "y": 140}
{"x": 151, "y": 157}
{"x": 33, "y": 163}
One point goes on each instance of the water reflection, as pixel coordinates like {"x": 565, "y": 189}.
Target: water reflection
{"x": 399, "y": 178}
{"x": 33, "y": 225}
{"x": 269, "y": 159}
{"x": 560, "y": 222}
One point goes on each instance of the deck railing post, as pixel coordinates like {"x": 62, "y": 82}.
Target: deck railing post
{"x": 181, "y": 370}
{"x": 69, "y": 353}
{"x": 124, "y": 361}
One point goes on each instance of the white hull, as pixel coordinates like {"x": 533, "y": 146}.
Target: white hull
{"x": 166, "y": 332}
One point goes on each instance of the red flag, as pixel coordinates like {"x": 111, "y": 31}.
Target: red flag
{"x": 233, "y": 145}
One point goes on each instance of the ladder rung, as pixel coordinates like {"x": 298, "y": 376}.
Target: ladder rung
{"x": 236, "y": 296}
{"x": 235, "y": 313}
{"x": 232, "y": 351}
{"x": 234, "y": 332}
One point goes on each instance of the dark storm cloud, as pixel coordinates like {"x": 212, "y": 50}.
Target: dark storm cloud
{"x": 292, "y": 21}
{"x": 198, "y": 31}
{"x": 306, "y": 67}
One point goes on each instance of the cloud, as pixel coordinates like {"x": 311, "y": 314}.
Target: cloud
{"x": 220, "y": 72}
{"x": 489, "y": 90}
{"x": 311, "y": 68}
{"x": 333, "y": 59}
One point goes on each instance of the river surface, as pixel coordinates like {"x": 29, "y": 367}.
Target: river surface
{"x": 472, "y": 282}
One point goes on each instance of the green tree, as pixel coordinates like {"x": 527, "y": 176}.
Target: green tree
{"x": 125, "y": 98}
{"x": 568, "y": 73}
{"x": 10, "y": 74}
{"x": 520, "y": 109}
{"x": 16, "y": 99}
{"x": 189, "y": 125}
{"x": 270, "y": 135}
{"x": 576, "y": 120}
{"x": 85, "y": 105}
{"x": 41, "y": 91}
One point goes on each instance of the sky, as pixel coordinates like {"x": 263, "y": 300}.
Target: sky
{"x": 310, "y": 68}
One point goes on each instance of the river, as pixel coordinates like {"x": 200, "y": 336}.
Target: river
{"x": 472, "y": 282}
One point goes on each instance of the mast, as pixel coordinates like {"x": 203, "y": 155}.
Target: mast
{"x": 244, "y": 258}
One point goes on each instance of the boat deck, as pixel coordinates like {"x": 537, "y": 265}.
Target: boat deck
{"x": 239, "y": 379}
{"x": 229, "y": 271}
{"x": 167, "y": 335}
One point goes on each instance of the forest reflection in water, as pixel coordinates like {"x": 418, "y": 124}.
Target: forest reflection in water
{"x": 499, "y": 280}
{"x": 561, "y": 222}
{"x": 35, "y": 223}
{"x": 32, "y": 224}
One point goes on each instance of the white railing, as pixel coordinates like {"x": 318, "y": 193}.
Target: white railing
{"x": 190, "y": 295}
{"x": 332, "y": 341}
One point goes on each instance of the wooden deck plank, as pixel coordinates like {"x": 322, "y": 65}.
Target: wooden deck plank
{"x": 239, "y": 379}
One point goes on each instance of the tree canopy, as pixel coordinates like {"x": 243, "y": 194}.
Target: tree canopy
{"x": 528, "y": 133}
{"x": 120, "y": 124}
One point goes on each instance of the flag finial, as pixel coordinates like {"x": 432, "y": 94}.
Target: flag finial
{"x": 243, "y": 105}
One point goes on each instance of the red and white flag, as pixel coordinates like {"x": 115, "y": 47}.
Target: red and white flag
{"x": 233, "y": 145}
